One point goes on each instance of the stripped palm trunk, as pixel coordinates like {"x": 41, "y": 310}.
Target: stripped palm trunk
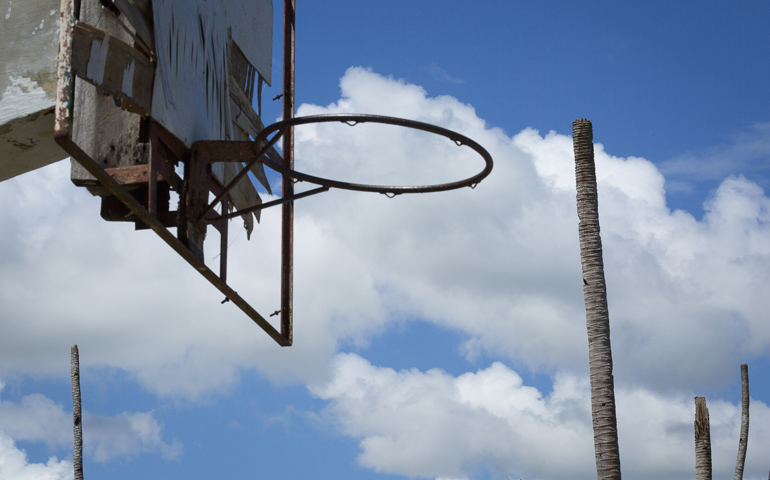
{"x": 597, "y": 315}
{"x": 77, "y": 458}
{"x": 744, "y": 439}
{"x": 702, "y": 440}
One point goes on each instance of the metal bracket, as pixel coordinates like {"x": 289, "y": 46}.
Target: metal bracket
{"x": 149, "y": 215}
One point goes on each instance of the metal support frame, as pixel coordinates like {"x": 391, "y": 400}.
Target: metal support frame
{"x": 158, "y": 167}
{"x": 196, "y": 211}
{"x": 287, "y": 223}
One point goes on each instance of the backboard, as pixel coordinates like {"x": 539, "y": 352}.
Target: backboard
{"x": 139, "y": 82}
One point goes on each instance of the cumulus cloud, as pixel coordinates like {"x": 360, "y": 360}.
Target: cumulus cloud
{"x": 501, "y": 262}
{"x": 14, "y": 464}
{"x": 431, "y": 424}
{"x": 498, "y": 264}
{"x": 36, "y": 418}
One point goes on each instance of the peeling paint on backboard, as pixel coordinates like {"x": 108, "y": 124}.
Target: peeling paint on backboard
{"x": 98, "y": 59}
{"x": 29, "y": 33}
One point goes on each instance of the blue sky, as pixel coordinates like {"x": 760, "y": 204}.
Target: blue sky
{"x": 436, "y": 336}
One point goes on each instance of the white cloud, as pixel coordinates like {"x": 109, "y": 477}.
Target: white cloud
{"x": 37, "y": 418}
{"x": 499, "y": 264}
{"x": 430, "y": 424}
{"x": 128, "y": 434}
{"x": 746, "y": 153}
{"x": 14, "y": 464}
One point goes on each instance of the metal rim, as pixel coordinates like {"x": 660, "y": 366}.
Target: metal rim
{"x": 354, "y": 119}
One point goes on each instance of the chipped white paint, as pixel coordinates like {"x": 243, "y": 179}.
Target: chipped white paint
{"x": 22, "y": 97}
{"x": 24, "y": 56}
{"x": 28, "y": 61}
{"x": 99, "y": 50}
{"x": 26, "y": 128}
{"x": 128, "y": 78}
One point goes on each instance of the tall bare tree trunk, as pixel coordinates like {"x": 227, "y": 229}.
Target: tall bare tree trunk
{"x": 597, "y": 314}
{"x": 744, "y": 440}
{"x": 702, "y": 440}
{"x": 77, "y": 458}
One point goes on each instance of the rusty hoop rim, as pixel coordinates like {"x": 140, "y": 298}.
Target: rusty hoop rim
{"x": 353, "y": 119}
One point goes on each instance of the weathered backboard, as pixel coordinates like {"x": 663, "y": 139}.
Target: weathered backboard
{"x": 127, "y": 88}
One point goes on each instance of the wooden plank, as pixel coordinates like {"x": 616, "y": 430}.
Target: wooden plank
{"x": 114, "y": 66}
{"x": 109, "y": 135}
{"x": 246, "y": 118}
{"x": 243, "y": 195}
{"x": 244, "y": 114}
{"x": 239, "y": 68}
{"x": 141, "y": 22}
{"x": 144, "y": 6}
{"x": 133, "y": 175}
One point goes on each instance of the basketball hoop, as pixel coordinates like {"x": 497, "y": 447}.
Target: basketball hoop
{"x": 353, "y": 119}
{"x": 136, "y": 186}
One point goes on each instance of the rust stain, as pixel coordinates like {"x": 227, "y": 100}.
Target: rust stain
{"x": 64, "y": 71}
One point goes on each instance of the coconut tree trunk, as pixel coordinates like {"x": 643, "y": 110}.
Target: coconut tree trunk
{"x": 744, "y": 440}
{"x": 77, "y": 458}
{"x": 597, "y": 315}
{"x": 702, "y": 440}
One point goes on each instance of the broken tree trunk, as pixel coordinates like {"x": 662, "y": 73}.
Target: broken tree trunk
{"x": 77, "y": 457}
{"x": 744, "y": 439}
{"x": 702, "y": 440}
{"x": 597, "y": 315}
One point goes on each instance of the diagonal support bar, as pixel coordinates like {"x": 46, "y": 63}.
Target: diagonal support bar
{"x": 137, "y": 209}
{"x": 273, "y": 203}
